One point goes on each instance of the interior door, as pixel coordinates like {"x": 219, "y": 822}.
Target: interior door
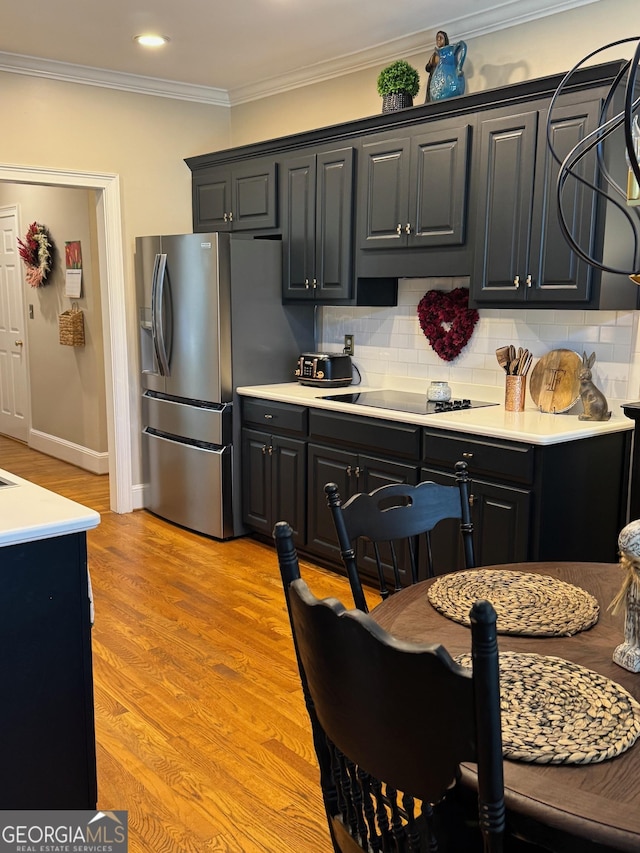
{"x": 14, "y": 395}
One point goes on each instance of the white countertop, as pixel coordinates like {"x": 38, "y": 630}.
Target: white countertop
{"x": 531, "y": 425}
{"x": 29, "y": 512}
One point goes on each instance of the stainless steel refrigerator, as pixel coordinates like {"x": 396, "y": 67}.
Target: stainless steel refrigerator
{"x": 210, "y": 319}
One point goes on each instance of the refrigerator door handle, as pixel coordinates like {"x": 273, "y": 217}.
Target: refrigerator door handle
{"x": 157, "y": 329}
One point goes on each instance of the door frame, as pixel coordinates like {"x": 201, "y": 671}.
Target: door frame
{"x": 113, "y": 302}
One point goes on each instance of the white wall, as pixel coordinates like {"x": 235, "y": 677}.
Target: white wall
{"x": 49, "y": 124}
{"x": 549, "y": 45}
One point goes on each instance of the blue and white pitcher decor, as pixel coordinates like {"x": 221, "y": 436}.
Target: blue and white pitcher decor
{"x": 446, "y": 77}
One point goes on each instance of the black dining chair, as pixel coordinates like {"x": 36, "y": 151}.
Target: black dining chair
{"x": 394, "y": 523}
{"x": 391, "y": 723}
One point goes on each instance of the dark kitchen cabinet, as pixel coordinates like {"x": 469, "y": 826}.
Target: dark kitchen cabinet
{"x": 274, "y": 453}
{"x": 564, "y": 501}
{"x": 501, "y": 517}
{"x": 413, "y": 189}
{"x": 352, "y": 472}
{"x": 274, "y": 478}
{"x": 317, "y": 215}
{"x": 238, "y": 197}
{"x": 359, "y": 455}
{"x": 48, "y": 756}
{"x": 521, "y": 256}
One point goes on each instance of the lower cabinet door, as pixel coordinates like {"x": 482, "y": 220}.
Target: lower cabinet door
{"x": 256, "y": 481}
{"x": 273, "y": 483}
{"x": 375, "y": 473}
{"x": 288, "y": 485}
{"x": 501, "y": 518}
{"x": 327, "y": 465}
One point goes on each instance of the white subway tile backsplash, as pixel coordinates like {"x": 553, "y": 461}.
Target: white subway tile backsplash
{"x": 390, "y": 343}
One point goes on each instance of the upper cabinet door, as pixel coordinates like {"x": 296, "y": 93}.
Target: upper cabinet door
{"x": 334, "y": 220}
{"x": 414, "y": 189}
{"x": 383, "y": 205}
{"x": 557, "y": 271}
{"x": 317, "y": 217}
{"x": 298, "y": 226}
{"x": 254, "y": 195}
{"x": 505, "y": 172}
{"x": 438, "y": 187}
{"x": 238, "y": 198}
{"x": 211, "y": 192}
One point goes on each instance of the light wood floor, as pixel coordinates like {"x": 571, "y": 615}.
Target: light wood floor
{"x": 201, "y": 729}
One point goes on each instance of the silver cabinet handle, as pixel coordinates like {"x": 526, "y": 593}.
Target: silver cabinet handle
{"x": 467, "y": 455}
{"x": 528, "y": 281}
{"x": 471, "y": 500}
{"x": 407, "y": 228}
{"x": 306, "y": 283}
{"x": 399, "y": 228}
{"x": 516, "y": 281}
{"x": 230, "y": 216}
{"x": 315, "y": 283}
{"x": 357, "y": 471}
{"x": 348, "y": 470}
{"x": 268, "y": 417}
{"x": 225, "y": 218}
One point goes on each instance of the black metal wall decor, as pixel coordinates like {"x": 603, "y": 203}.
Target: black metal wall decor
{"x": 606, "y": 188}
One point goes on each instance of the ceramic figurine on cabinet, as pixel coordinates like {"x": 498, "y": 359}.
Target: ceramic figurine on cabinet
{"x": 627, "y": 654}
{"x": 444, "y": 68}
{"x": 594, "y": 402}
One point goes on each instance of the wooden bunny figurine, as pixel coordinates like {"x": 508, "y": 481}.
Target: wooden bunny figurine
{"x": 594, "y": 402}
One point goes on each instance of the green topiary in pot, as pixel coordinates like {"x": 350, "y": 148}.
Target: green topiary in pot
{"x": 398, "y": 77}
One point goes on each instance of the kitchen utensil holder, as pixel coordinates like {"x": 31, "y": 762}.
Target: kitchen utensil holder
{"x": 515, "y": 390}
{"x": 71, "y": 327}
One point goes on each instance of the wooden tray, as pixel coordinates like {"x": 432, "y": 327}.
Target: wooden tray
{"x": 554, "y": 384}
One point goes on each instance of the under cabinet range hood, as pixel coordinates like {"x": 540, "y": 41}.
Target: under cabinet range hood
{"x": 406, "y": 401}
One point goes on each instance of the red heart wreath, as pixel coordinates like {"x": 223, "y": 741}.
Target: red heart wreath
{"x": 447, "y": 321}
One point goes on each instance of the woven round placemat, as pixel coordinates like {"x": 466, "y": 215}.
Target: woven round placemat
{"x": 525, "y": 603}
{"x": 558, "y": 712}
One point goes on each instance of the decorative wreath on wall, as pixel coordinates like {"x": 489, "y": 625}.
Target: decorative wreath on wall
{"x": 36, "y": 251}
{"x": 447, "y": 321}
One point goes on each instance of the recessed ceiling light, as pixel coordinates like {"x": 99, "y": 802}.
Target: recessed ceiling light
{"x": 151, "y": 40}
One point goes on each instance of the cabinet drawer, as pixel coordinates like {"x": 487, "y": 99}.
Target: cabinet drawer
{"x": 279, "y": 417}
{"x": 505, "y": 459}
{"x": 375, "y": 436}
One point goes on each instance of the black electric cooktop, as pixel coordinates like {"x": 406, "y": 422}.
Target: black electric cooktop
{"x": 406, "y": 401}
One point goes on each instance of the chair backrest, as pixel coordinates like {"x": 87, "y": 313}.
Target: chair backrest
{"x": 397, "y": 520}
{"x": 390, "y": 716}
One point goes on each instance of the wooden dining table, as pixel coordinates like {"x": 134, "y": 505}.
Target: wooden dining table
{"x": 585, "y": 805}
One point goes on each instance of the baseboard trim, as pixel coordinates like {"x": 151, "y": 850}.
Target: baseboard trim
{"x": 75, "y": 454}
{"x": 137, "y": 496}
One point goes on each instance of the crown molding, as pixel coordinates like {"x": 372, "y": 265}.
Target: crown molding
{"x": 500, "y": 17}
{"x": 69, "y": 73}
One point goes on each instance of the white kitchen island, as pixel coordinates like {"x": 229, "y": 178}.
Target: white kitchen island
{"x": 48, "y": 757}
